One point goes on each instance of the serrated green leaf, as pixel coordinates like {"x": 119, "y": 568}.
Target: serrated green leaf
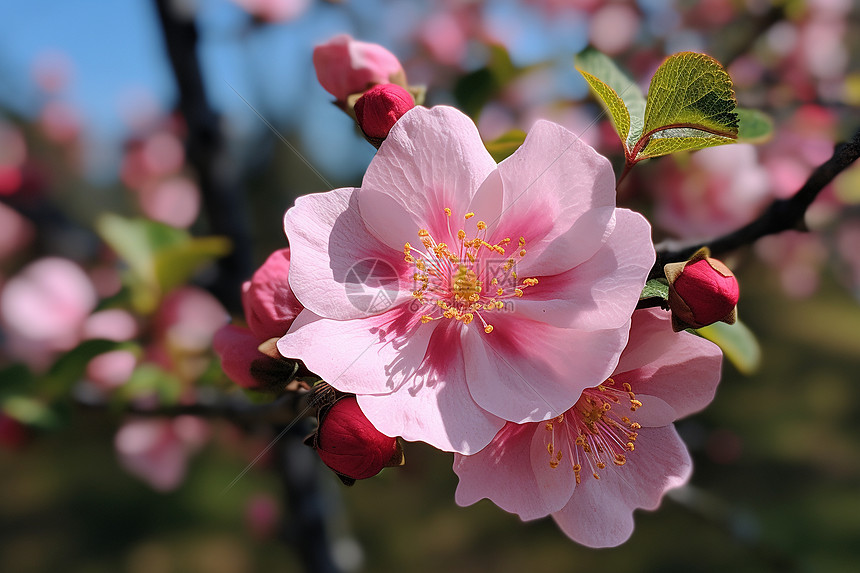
{"x": 655, "y": 288}
{"x": 620, "y": 96}
{"x": 755, "y": 126}
{"x": 675, "y": 140}
{"x": 737, "y": 342}
{"x": 503, "y": 146}
{"x": 694, "y": 91}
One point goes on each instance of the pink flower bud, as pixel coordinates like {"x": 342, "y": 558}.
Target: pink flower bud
{"x": 345, "y": 66}
{"x": 349, "y": 444}
{"x": 380, "y": 107}
{"x": 269, "y": 303}
{"x": 702, "y": 291}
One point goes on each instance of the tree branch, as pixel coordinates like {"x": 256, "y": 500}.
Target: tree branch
{"x": 208, "y": 154}
{"x": 282, "y": 411}
{"x": 781, "y": 215}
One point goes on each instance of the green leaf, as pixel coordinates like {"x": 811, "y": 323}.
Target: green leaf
{"x": 159, "y": 257}
{"x": 755, "y": 126}
{"x": 675, "y": 140}
{"x": 176, "y": 264}
{"x": 504, "y": 145}
{"x": 30, "y": 411}
{"x": 655, "y": 288}
{"x": 691, "y": 90}
{"x": 737, "y": 342}
{"x": 620, "y": 96}
{"x": 149, "y": 379}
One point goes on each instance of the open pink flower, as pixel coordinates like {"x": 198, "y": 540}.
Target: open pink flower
{"x": 614, "y": 451}
{"x": 517, "y": 296}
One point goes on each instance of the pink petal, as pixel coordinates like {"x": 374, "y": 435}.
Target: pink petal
{"x": 338, "y": 269}
{"x": 601, "y": 292}
{"x": 502, "y": 473}
{"x": 269, "y": 303}
{"x": 237, "y": 348}
{"x": 554, "y": 484}
{"x": 528, "y": 371}
{"x": 375, "y": 355}
{"x": 551, "y": 181}
{"x": 600, "y": 512}
{"x": 673, "y": 374}
{"x": 433, "y": 404}
{"x": 432, "y": 159}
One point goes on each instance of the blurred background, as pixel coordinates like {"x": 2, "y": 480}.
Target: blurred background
{"x": 132, "y": 132}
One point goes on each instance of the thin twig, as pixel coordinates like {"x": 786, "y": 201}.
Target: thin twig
{"x": 781, "y": 215}
{"x": 282, "y": 411}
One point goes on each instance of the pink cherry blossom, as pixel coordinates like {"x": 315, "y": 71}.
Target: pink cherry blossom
{"x": 43, "y": 309}
{"x": 614, "y": 451}
{"x": 157, "y": 451}
{"x": 270, "y": 308}
{"x": 517, "y": 297}
{"x": 345, "y": 66}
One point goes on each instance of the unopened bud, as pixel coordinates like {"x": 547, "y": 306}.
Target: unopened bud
{"x": 349, "y": 444}
{"x": 702, "y": 291}
{"x": 345, "y": 66}
{"x": 379, "y": 109}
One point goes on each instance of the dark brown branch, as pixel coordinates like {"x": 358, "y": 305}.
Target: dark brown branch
{"x": 208, "y": 154}
{"x": 282, "y": 411}
{"x": 781, "y": 215}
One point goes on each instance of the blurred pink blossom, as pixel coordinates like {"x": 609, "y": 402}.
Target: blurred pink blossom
{"x": 615, "y": 451}
{"x": 262, "y": 514}
{"x": 113, "y": 368}
{"x": 174, "y": 201}
{"x": 157, "y": 450}
{"x": 797, "y": 258}
{"x": 44, "y": 308}
{"x": 183, "y": 329}
{"x": 16, "y": 232}
{"x": 710, "y": 192}
{"x": 613, "y": 28}
{"x": 60, "y": 122}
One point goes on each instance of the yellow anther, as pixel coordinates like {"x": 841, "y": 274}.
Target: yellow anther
{"x": 448, "y": 211}
{"x": 469, "y": 215}
{"x": 423, "y": 233}
{"x": 488, "y": 329}
{"x": 461, "y": 234}
{"x": 426, "y": 318}
{"x": 530, "y": 282}
{"x": 482, "y": 226}
{"x": 518, "y": 292}
{"x": 494, "y": 281}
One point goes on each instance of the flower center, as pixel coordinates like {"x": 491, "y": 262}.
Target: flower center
{"x": 598, "y": 430}
{"x": 467, "y": 280}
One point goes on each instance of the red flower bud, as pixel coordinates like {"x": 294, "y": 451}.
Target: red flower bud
{"x": 349, "y": 444}
{"x": 702, "y": 291}
{"x": 380, "y": 107}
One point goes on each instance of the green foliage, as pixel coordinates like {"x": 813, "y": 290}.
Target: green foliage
{"x": 690, "y": 105}
{"x": 738, "y": 344}
{"x": 472, "y": 91}
{"x": 72, "y": 365}
{"x": 148, "y": 380}
{"x": 159, "y": 257}
{"x": 655, "y": 288}
{"x": 755, "y": 126}
{"x": 503, "y": 146}
{"x": 620, "y": 96}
